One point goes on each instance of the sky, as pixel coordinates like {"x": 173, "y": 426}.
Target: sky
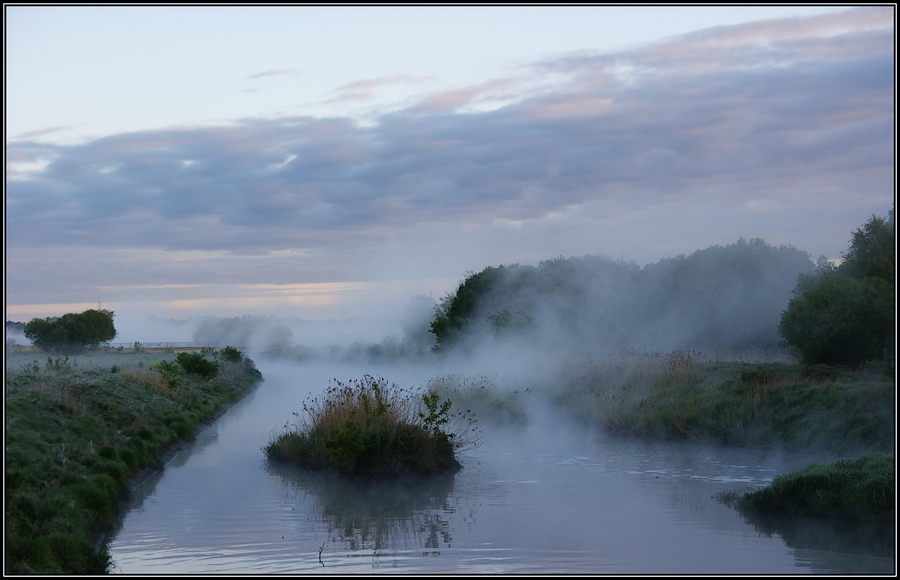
{"x": 333, "y": 162}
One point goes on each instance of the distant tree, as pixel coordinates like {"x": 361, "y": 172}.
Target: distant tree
{"x": 871, "y": 252}
{"x": 846, "y": 315}
{"x": 723, "y": 297}
{"x": 72, "y": 332}
{"x": 456, "y": 310}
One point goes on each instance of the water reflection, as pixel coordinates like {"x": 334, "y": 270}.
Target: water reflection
{"x": 413, "y": 513}
{"x": 833, "y": 545}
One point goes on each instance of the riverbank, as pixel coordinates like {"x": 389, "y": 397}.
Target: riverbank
{"x": 80, "y": 430}
{"x": 680, "y": 396}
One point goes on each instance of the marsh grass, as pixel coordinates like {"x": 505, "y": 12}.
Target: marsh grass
{"x": 75, "y": 432}
{"x": 491, "y": 399}
{"x": 367, "y": 427}
{"x": 685, "y": 395}
{"x": 857, "y": 489}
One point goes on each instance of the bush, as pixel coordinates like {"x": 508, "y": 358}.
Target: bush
{"x": 231, "y": 354}
{"x": 367, "y": 428}
{"x": 196, "y": 364}
{"x": 72, "y": 332}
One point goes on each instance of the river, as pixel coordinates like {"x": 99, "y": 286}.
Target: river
{"x": 550, "y": 497}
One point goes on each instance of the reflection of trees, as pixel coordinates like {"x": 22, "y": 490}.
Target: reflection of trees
{"x": 378, "y": 514}
{"x": 832, "y": 543}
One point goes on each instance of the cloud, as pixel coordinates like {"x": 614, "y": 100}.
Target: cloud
{"x": 365, "y": 89}
{"x": 42, "y": 132}
{"x": 271, "y": 73}
{"x": 788, "y": 114}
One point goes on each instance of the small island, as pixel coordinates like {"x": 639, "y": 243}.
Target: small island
{"x": 368, "y": 428}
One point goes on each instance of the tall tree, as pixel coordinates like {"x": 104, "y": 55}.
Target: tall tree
{"x": 846, "y": 315}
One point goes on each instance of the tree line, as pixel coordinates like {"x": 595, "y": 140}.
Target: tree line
{"x": 743, "y": 295}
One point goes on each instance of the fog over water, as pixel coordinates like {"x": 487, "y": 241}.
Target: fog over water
{"x": 547, "y": 495}
{"x": 567, "y": 188}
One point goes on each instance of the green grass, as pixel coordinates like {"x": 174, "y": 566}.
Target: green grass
{"x": 861, "y": 489}
{"x": 367, "y": 427}
{"x": 678, "y": 395}
{"x": 76, "y": 430}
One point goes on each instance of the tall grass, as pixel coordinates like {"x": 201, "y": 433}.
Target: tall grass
{"x": 685, "y": 395}
{"x": 858, "y": 489}
{"x": 367, "y": 427}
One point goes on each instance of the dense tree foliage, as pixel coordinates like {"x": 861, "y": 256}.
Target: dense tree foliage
{"x": 72, "y": 332}
{"x": 196, "y": 364}
{"x": 723, "y": 297}
{"x": 841, "y": 321}
{"x": 871, "y": 253}
{"x": 846, "y": 315}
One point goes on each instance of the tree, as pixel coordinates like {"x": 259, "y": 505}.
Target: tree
{"x": 457, "y": 310}
{"x": 871, "y": 251}
{"x": 72, "y": 332}
{"x": 846, "y": 315}
{"x": 841, "y": 321}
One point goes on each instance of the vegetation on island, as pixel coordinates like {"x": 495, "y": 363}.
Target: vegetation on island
{"x": 77, "y": 429}
{"x": 367, "y": 427}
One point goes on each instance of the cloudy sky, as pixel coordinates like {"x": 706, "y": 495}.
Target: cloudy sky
{"x": 330, "y": 162}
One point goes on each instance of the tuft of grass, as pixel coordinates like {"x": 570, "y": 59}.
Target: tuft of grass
{"x": 74, "y": 435}
{"x": 367, "y": 427}
{"x": 858, "y": 489}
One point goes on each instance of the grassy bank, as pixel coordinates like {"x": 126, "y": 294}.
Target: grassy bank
{"x": 861, "y": 489}
{"x": 679, "y": 395}
{"x": 369, "y": 427}
{"x": 77, "y": 429}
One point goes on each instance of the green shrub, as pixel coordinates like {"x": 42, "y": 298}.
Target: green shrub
{"x": 196, "y": 364}
{"x": 231, "y": 354}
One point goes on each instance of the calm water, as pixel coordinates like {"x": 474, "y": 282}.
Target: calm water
{"x": 549, "y": 498}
